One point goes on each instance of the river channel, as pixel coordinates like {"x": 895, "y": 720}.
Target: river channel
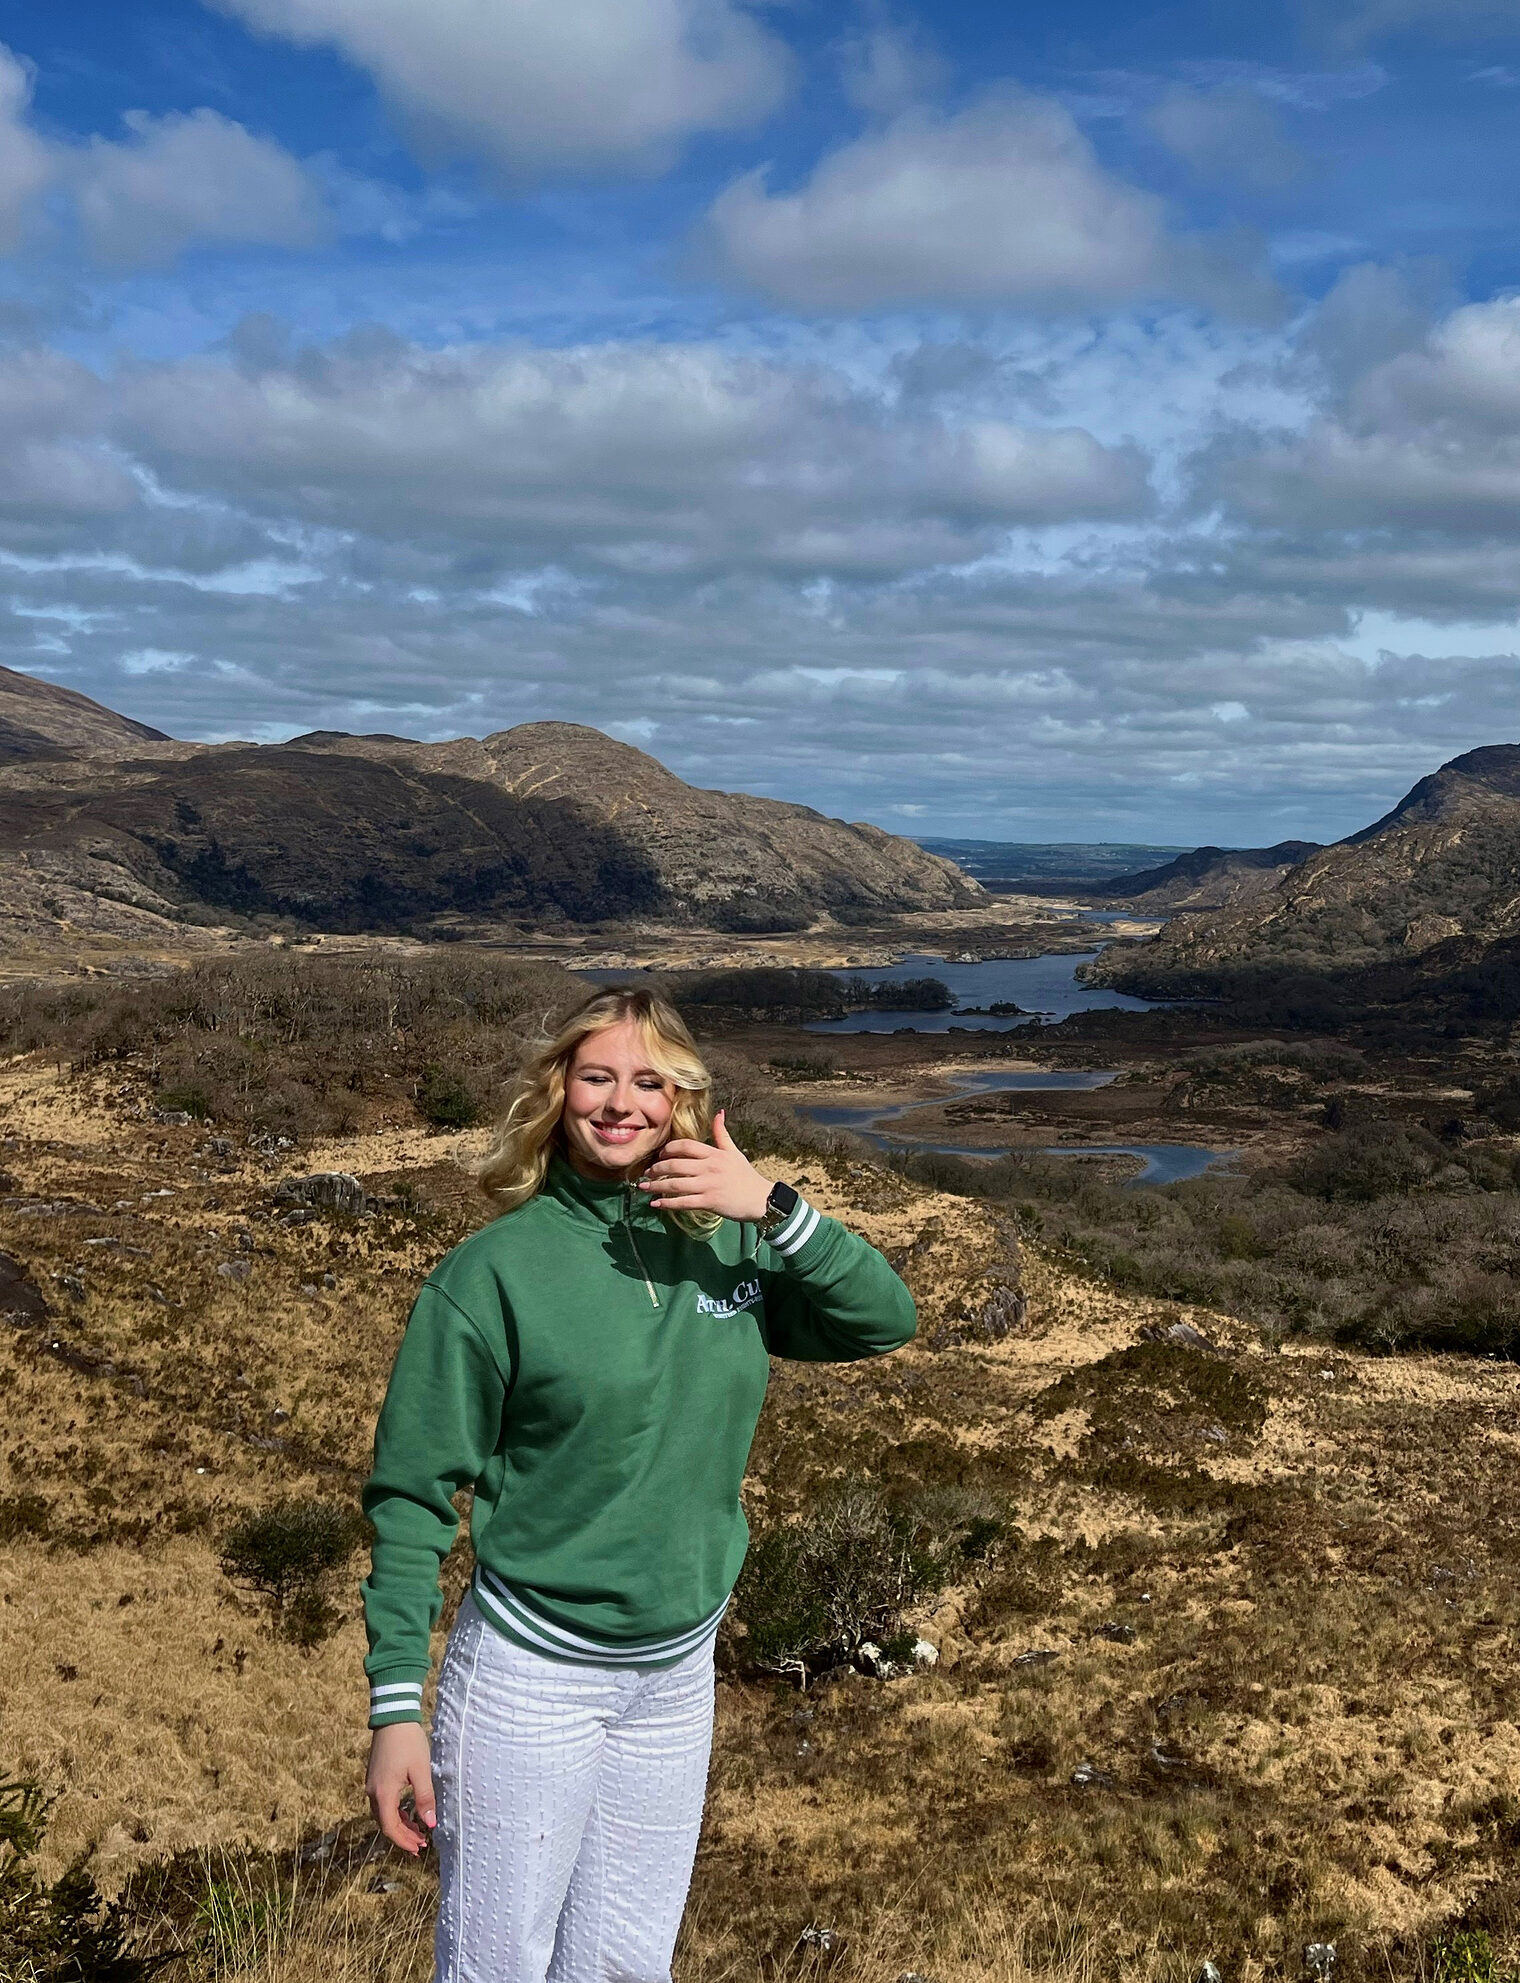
{"x": 1045, "y": 987}
{"x": 1161, "y": 1163}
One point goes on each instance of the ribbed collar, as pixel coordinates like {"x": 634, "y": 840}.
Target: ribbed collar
{"x": 609, "y": 1204}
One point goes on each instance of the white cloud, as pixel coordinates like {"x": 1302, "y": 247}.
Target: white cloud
{"x": 1228, "y": 130}
{"x": 1427, "y": 439}
{"x": 187, "y": 178}
{"x": 1002, "y": 203}
{"x": 175, "y": 181}
{"x": 634, "y": 458}
{"x": 888, "y": 66}
{"x": 24, "y": 162}
{"x": 549, "y": 85}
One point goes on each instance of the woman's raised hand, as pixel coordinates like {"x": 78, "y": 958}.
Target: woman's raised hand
{"x": 707, "y": 1177}
{"x": 398, "y": 1760}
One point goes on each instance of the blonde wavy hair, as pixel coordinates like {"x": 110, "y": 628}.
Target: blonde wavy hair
{"x": 531, "y": 1132}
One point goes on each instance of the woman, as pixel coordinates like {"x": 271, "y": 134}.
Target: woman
{"x": 593, "y": 1363}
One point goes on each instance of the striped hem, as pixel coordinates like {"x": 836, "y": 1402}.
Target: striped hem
{"x": 399, "y": 1700}
{"x": 512, "y": 1616}
{"x": 799, "y": 1226}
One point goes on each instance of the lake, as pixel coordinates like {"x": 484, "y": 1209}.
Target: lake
{"x": 1044, "y": 985}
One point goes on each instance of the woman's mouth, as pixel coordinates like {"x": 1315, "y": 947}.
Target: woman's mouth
{"x": 616, "y": 1132}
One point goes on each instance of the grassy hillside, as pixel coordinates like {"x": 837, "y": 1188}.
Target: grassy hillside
{"x": 1224, "y": 1634}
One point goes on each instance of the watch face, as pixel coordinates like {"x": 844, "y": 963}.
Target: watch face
{"x": 781, "y": 1202}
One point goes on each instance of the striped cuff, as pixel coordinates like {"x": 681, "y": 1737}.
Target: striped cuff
{"x": 395, "y": 1700}
{"x": 794, "y": 1233}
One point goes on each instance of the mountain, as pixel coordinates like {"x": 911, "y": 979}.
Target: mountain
{"x": 39, "y": 719}
{"x": 1211, "y": 877}
{"x": 545, "y": 823}
{"x": 1443, "y": 864}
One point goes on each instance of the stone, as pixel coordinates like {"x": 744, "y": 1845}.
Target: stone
{"x": 1182, "y": 1334}
{"x": 1209, "y": 1972}
{"x": 925, "y": 1653}
{"x": 1319, "y": 1959}
{"x": 21, "y": 1300}
{"x": 1035, "y": 1658}
{"x": 823, "y": 1940}
{"x": 1087, "y": 1776}
{"x": 1122, "y": 1635}
{"x": 334, "y": 1191}
{"x": 236, "y": 1270}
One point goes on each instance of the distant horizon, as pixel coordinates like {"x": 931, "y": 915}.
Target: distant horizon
{"x": 1251, "y": 829}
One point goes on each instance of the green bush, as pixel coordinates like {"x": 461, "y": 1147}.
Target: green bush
{"x": 1468, "y": 1957}
{"x": 63, "y": 1932}
{"x": 812, "y": 1593}
{"x": 190, "y": 1096}
{"x": 289, "y": 1553}
{"x": 446, "y": 1101}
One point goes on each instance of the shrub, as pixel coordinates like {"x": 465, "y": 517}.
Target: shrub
{"x": 63, "y": 1932}
{"x": 23, "y": 1514}
{"x": 445, "y": 1101}
{"x": 1468, "y": 1957}
{"x": 289, "y": 1553}
{"x": 812, "y": 1593}
{"x": 803, "y": 1066}
{"x": 190, "y": 1096}
{"x": 295, "y": 1043}
{"x": 1373, "y": 1160}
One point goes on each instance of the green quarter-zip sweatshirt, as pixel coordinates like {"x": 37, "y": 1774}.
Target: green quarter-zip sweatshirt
{"x": 596, "y": 1374}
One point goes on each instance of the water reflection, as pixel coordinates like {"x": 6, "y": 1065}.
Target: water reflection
{"x": 1046, "y": 987}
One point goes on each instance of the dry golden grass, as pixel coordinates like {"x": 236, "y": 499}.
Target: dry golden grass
{"x": 1306, "y": 1729}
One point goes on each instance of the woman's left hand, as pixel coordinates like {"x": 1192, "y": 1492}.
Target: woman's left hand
{"x": 707, "y": 1177}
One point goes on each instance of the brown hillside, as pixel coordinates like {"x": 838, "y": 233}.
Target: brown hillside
{"x": 39, "y": 719}
{"x": 1444, "y": 863}
{"x": 550, "y": 822}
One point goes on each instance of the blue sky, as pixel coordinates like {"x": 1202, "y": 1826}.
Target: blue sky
{"x": 1088, "y": 423}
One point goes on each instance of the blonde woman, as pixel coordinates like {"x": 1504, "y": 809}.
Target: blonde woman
{"x": 593, "y": 1364}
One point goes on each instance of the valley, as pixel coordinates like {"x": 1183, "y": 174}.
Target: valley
{"x": 1170, "y": 1571}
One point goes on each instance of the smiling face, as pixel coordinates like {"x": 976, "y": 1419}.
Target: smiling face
{"x": 617, "y": 1107}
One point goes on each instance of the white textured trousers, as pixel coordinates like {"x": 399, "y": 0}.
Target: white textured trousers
{"x": 569, "y": 1802}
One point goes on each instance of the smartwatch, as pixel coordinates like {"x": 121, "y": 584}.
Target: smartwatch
{"x": 779, "y": 1207}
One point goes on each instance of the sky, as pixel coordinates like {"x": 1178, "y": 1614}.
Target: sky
{"x": 1085, "y": 423}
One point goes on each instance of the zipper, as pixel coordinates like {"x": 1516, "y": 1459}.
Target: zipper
{"x": 628, "y": 1222}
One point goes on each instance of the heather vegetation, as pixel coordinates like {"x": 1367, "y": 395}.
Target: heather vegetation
{"x": 1220, "y": 1606}
{"x": 293, "y": 1043}
{"x": 1380, "y": 1235}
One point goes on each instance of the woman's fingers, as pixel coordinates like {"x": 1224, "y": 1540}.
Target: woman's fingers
{"x": 422, "y": 1795}
{"x": 399, "y": 1763}
{"x": 685, "y": 1146}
